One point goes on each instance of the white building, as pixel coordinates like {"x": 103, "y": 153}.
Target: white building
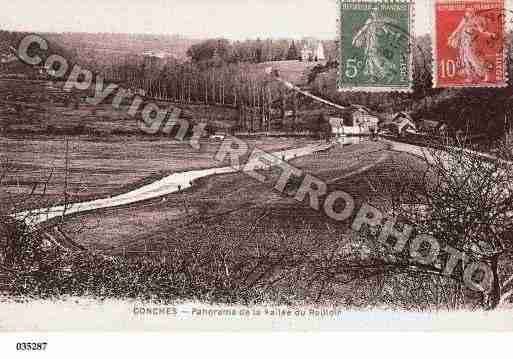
{"x": 319, "y": 54}
{"x": 313, "y": 52}
{"x": 357, "y": 123}
{"x": 306, "y": 54}
{"x": 337, "y": 126}
{"x": 364, "y": 121}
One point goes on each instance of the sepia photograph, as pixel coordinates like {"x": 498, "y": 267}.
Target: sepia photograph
{"x": 271, "y": 165}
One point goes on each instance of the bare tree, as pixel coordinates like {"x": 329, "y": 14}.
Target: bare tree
{"x": 465, "y": 201}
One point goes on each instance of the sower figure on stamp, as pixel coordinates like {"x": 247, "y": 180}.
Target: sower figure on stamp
{"x": 376, "y": 65}
{"x": 464, "y": 39}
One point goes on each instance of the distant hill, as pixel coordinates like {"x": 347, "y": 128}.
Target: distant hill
{"x": 104, "y": 47}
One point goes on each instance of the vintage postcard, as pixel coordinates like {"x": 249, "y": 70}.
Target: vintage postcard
{"x": 376, "y": 45}
{"x": 469, "y": 43}
{"x": 194, "y": 166}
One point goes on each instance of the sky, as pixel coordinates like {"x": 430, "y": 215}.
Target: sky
{"x": 232, "y": 19}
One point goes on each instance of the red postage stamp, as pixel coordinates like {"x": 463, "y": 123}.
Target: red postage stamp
{"x": 469, "y": 43}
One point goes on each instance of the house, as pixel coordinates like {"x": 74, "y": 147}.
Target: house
{"x": 313, "y": 51}
{"x": 359, "y": 122}
{"x": 319, "y": 53}
{"x": 365, "y": 121}
{"x": 337, "y": 126}
{"x": 306, "y": 54}
{"x": 433, "y": 127}
{"x": 400, "y": 124}
{"x": 405, "y": 123}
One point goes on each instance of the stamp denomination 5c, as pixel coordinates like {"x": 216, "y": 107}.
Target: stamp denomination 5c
{"x": 375, "y": 45}
{"x": 468, "y": 43}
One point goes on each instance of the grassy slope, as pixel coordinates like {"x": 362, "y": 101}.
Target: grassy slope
{"x": 231, "y": 202}
{"x": 290, "y": 70}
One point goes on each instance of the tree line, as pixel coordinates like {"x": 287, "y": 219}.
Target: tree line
{"x": 214, "y": 52}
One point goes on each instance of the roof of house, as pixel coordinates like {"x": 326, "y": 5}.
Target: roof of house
{"x": 404, "y": 115}
{"x": 399, "y": 122}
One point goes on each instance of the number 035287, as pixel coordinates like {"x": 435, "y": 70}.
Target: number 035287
{"x": 29, "y": 346}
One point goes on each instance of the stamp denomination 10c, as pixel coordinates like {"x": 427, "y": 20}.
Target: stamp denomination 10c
{"x": 375, "y": 45}
{"x": 468, "y": 44}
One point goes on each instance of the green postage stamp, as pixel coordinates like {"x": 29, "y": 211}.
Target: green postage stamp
{"x": 376, "y": 45}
